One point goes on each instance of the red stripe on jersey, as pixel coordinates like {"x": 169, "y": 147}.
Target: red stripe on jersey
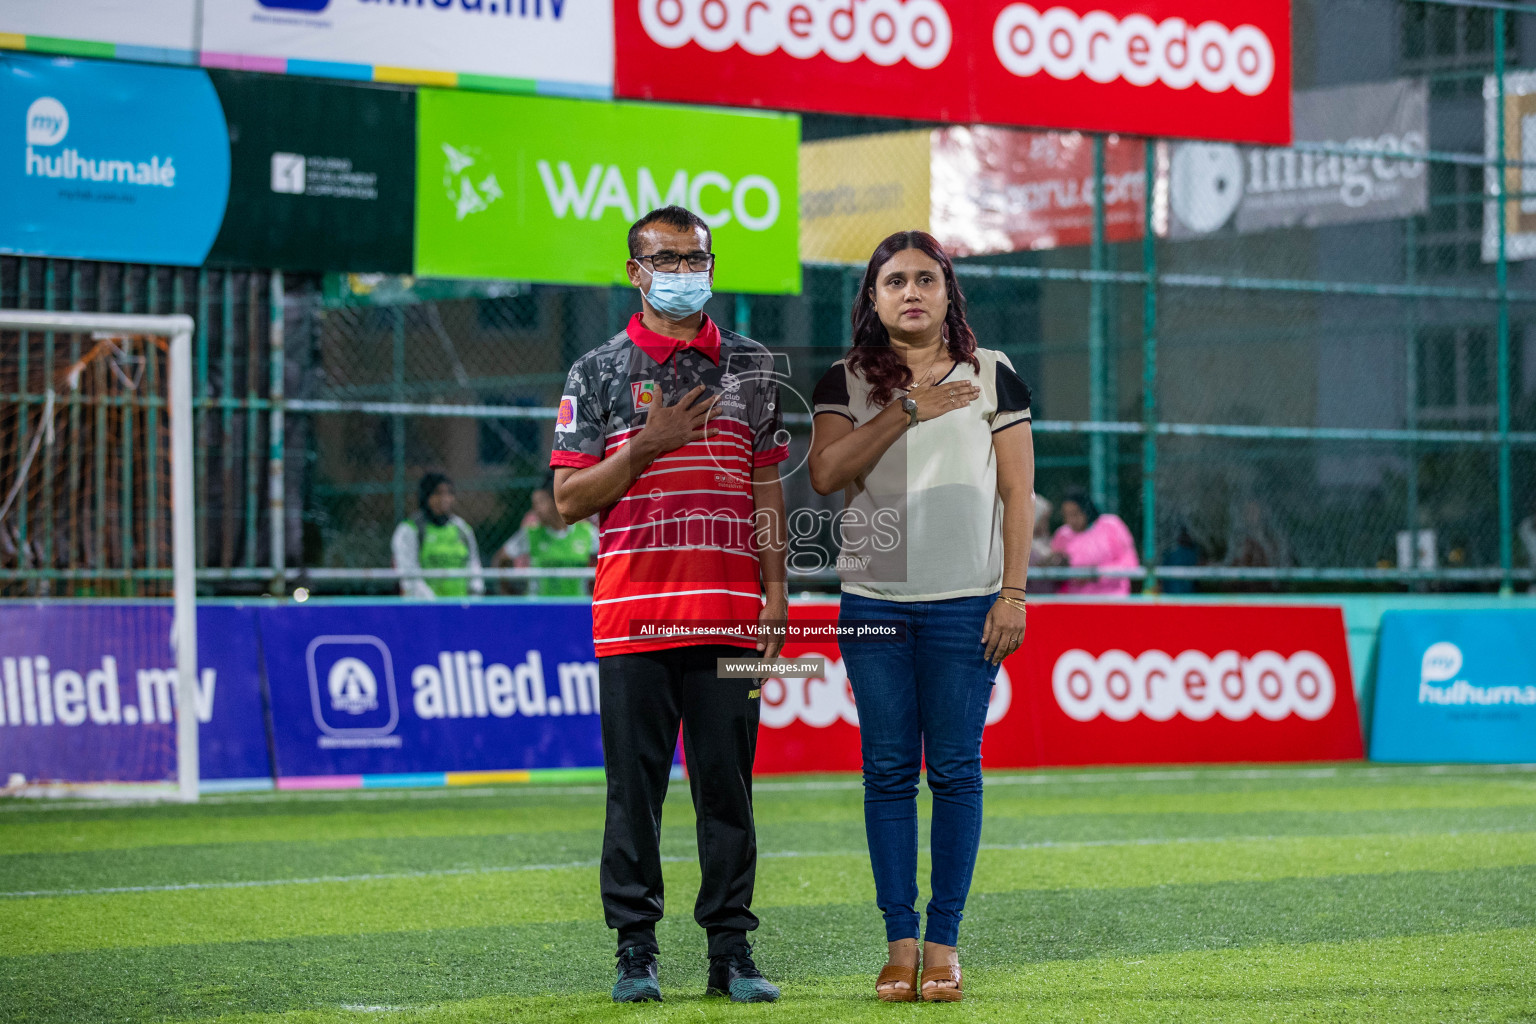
{"x": 626, "y": 573}
{"x": 771, "y": 456}
{"x": 576, "y": 460}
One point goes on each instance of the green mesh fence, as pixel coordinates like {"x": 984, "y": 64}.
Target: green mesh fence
{"x": 1285, "y": 369}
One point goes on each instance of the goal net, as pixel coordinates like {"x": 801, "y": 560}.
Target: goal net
{"x": 98, "y": 632}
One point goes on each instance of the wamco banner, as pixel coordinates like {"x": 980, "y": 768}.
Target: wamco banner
{"x": 1256, "y": 189}
{"x": 1202, "y": 69}
{"x": 322, "y": 176}
{"x": 108, "y": 161}
{"x": 532, "y": 189}
{"x": 563, "y": 46}
{"x": 1456, "y": 686}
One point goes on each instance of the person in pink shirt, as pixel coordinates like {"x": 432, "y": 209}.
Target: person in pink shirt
{"x": 1089, "y": 538}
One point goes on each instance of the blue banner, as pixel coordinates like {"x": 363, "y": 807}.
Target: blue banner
{"x": 88, "y": 693}
{"x": 1456, "y": 686}
{"x": 396, "y": 689}
{"x": 110, "y": 161}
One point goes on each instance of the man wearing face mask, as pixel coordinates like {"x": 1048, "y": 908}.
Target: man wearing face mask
{"x": 671, "y": 432}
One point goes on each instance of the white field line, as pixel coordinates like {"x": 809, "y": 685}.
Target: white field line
{"x": 1085, "y": 844}
{"x": 1043, "y": 778}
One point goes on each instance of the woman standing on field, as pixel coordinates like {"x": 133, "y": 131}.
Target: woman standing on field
{"x": 928, "y": 436}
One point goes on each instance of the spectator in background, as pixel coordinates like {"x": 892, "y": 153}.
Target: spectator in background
{"x": 1253, "y": 543}
{"x": 435, "y": 538}
{"x": 1527, "y": 532}
{"x": 545, "y": 542}
{"x": 1184, "y": 552}
{"x": 1089, "y": 538}
{"x": 1040, "y": 546}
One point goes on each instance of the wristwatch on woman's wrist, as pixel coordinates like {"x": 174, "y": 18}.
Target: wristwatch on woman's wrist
{"x": 910, "y": 404}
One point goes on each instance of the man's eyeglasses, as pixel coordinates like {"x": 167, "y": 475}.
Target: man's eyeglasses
{"x": 668, "y": 262}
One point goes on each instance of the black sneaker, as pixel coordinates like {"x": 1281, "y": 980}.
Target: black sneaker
{"x": 637, "y": 978}
{"x": 735, "y": 975}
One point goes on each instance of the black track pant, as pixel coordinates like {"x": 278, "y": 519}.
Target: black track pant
{"x": 644, "y": 697}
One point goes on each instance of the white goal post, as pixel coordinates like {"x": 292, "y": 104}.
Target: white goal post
{"x": 178, "y": 329}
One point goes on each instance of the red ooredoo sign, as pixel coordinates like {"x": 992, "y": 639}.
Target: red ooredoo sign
{"x": 1184, "y": 68}
{"x": 1115, "y": 684}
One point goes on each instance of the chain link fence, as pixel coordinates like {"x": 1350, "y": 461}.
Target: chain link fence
{"x": 1311, "y": 368}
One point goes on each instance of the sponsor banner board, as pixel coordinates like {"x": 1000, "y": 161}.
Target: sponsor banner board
{"x": 1003, "y": 190}
{"x": 1456, "y": 686}
{"x": 1114, "y": 684}
{"x": 551, "y": 45}
{"x": 322, "y": 175}
{"x": 856, "y": 190}
{"x": 979, "y": 190}
{"x": 108, "y": 161}
{"x": 396, "y": 689}
{"x": 155, "y": 30}
{"x": 1252, "y": 189}
{"x": 88, "y": 693}
{"x": 1520, "y": 175}
{"x": 1188, "y": 68}
{"x": 534, "y": 189}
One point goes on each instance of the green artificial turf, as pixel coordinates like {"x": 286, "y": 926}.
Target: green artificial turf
{"x": 1316, "y": 893}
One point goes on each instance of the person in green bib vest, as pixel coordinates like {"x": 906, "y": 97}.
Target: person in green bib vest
{"x": 435, "y": 538}
{"x": 545, "y": 542}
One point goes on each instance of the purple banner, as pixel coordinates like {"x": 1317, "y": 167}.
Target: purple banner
{"x": 397, "y": 689}
{"x": 88, "y": 693}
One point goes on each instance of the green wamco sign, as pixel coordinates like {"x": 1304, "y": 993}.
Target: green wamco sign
{"x": 534, "y": 189}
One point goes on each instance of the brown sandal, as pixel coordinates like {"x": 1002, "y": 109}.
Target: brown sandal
{"x": 942, "y": 972}
{"x": 889, "y": 975}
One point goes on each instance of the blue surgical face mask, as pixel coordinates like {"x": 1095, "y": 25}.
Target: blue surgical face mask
{"x": 678, "y": 296}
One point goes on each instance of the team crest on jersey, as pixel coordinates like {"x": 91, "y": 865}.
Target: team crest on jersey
{"x": 565, "y": 420}
{"x": 645, "y": 394}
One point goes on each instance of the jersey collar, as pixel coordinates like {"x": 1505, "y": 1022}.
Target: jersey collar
{"x": 661, "y": 348}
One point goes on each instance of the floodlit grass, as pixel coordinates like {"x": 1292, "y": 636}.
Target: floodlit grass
{"x": 1353, "y": 893}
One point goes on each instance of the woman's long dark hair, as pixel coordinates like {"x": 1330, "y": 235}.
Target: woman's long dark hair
{"x": 872, "y": 356}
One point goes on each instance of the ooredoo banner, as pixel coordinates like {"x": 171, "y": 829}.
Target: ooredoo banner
{"x": 1115, "y": 684}
{"x": 533, "y": 189}
{"x": 1456, "y": 686}
{"x": 108, "y": 161}
{"x": 1179, "y": 68}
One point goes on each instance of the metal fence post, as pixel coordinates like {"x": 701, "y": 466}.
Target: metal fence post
{"x": 1411, "y": 398}
{"x": 743, "y": 315}
{"x": 1098, "y": 443}
{"x": 1506, "y": 508}
{"x": 397, "y": 446}
{"x": 275, "y": 481}
{"x": 1149, "y": 375}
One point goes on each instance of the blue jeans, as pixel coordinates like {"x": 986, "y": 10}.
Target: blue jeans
{"x": 922, "y": 696}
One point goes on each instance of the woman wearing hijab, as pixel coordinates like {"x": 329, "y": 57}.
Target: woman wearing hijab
{"x": 1092, "y": 539}
{"x": 928, "y": 436}
{"x": 435, "y": 538}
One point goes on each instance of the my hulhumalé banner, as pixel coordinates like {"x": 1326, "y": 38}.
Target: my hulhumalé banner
{"x": 108, "y": 161}
{"x": 535, "y": 189}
